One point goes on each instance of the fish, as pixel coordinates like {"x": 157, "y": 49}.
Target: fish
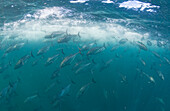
{"x": 167, "y": 60}
{"x": 77, "y": 65}
{"x": 87, "y": 46}
{"x": 141, "y": 46}
{"x": 152, "y": 80}
{"x": 124, "y": 78}
{"x": 105, "y": 92}
{"x": 114, "y": 48}
{"x": 62, "y": 50}
{"x": 149, "y": 43}
{"x": 51, "y": 60}
{"x": 69, "y": 59}
{"x": 9, "y": 91}
{"x": 160, "y": 100}
{"x": 66, "y": 38}
{"x": 123, "y": 41}
{"x": 54, "y": 35}
{"x": 4, "y": 67}
{"x": 22, "y": 61}
{"x": 161, "y": 76}
{"x": 57, "y": 100}
{"x": 156, "y": 54}
{"x": 65, "y": 91}
{"x": 96, "y": 50}
{"x": 34, "y": 63}
{"x": 43, "y": 50}
{"x": 30, "y": 98}
{"x": 105, "y": 65}
{"x": 50, "y": 87}
{"x": 82, "y": 68}
{"x": 142, "y": 61}
{"x": 83, "y": 89}
{"x": 55, "y": 74}
{"x": 14, "y": 48}
{"x": 159, "y": 44}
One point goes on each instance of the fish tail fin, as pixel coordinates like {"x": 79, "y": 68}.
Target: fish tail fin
{"x": 32, "y": 54}
{"x": 72, "y": 81}
{"x": 62, "y": 51}
{"x": 10, "y": 84}
{"x": 79, "y": 35}
{"x": 93, "y": 61}
{"x": 93, "y": 80}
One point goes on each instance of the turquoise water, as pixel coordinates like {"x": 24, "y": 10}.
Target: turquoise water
{"x": 61, "y": 55}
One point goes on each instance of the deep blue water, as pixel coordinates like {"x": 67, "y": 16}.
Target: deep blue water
{"x": 58, "y": 55}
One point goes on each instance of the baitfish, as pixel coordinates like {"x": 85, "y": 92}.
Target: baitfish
{"x": 68, "y": 60}
{"x": 54, "y": 35}
{"x": 84, "y": 88}
{"x": 123, "y": 41}
{"x": 96, "y": 50}
{"x": 105, "y": 65}
{"x": 15, "y": 47}
{"x": 22, "y": 61}
{"x": 30, "y": 98}
{"x": 87, "y": 46}
{"x": 141, "y": 46}
{"x": 156, "y": 54}
{"x": 51, "y": 60}
{"x": 65, "y": 91}
{"x": 161, "y": 76}
{"x": 55, "y": 74}
{"x": 149, "y": 43}
{"x": 83, "y": 67}
{"x": 43, "y": 50}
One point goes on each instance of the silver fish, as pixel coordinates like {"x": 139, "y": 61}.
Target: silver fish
{"x": 152, "y": 80}
{"x": 96, "y": 50}
{"x": 15, "y": 47}
{"x": 141, "y": 46}
{"x": 68, "y": 60}
{"x": 22, "y": 61}
{"x": 161, "y": 76}
{"x": 123, "y": 41}
{"x": 55, "y": 74}
{"x": 167, "y": 60}
{"x": 156, "y": 54}
{"x": 51, "y": 60}
{"x": 64, "y": 39}
{"x": 54, "y": 35}
{"x": 43, "y": 50}
{"x": 83, "y": 89}
{"x": 142, "y": 61}
{"x": 105, "y": 65}
{"x": 149, "y": 43}
{"x": 82, "y": 68}
{"x": 87, "y": 46}
{"x": 30, "y": 98}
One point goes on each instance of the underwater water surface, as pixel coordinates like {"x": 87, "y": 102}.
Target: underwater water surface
{"x": 84, "y": 55}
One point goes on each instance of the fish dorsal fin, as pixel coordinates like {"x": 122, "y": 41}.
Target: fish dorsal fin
{"x": 79, "y": 35}
{"x": 93, "y": 80}
{"x": 10, "y": 84}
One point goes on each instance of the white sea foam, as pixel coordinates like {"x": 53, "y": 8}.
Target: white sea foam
{"x": 45, "y": 21}
{"x": 138, "y": 5}
{"x": 78, "y": 1}
{"x": 107, "y": 1}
